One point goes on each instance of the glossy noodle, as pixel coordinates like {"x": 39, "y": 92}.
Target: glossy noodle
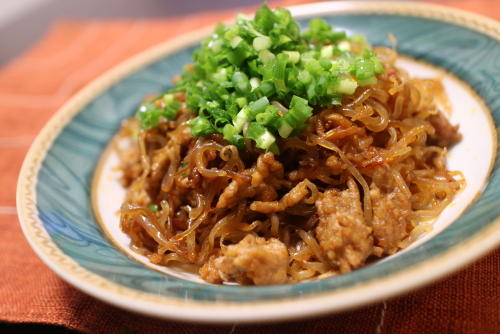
{"x": 356, "y": 185}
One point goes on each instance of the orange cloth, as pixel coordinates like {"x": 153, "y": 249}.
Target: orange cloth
{"x": 71, "y": 54}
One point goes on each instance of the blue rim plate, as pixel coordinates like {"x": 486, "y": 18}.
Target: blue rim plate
{"x": 55, "y": 208}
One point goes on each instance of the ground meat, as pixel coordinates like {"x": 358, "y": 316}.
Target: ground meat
{"x": 266, "y": 192}
{"x": 138, "y": 193}
{"x": 237, "y": 191}
{"x": 319, "y": 172}
{"x": 342, "y": 232}
{"x": 291, "y": 198}
{"x": 383, "y": 179}
{"x": 160, "y": 161}
{"x": 229, "y": 197}
{"x": 210, "y": 272}
{"x": 446, "y": 134}
{"x": 261, "y": 186}
{"x": 391, "y": 217}
{"x": 266, "y": 165}
{"x": 254, "y": 260}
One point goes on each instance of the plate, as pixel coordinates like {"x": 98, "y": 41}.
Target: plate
{"x": 67, "y": 196}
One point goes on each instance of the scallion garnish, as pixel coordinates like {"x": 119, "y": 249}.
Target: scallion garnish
{"x": 241, "y": 71}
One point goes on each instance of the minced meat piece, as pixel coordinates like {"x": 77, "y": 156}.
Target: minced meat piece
{"x": 209, "y": 271}
{"x": 342, "y": 232}
{"x": 238, "y": 190}
{"x": 446, "y": 134}
{"x": 391, "y": 216}
{"x": 291, "y": 198}
{"x": 254, "y": 260}
{"x": 266, "y": 165}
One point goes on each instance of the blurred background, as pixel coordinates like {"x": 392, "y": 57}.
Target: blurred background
{"x": 23, "y": 22}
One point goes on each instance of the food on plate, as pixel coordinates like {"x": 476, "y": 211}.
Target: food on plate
{"x": 283, "y": 155}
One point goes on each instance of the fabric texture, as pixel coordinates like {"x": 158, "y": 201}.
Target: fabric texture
{"x": 71, "y": 54}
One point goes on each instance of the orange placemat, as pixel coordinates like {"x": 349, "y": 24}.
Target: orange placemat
{"x": 71, "y": 54}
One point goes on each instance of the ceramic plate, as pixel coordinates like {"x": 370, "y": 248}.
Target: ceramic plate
{"x": 68, "y": 196}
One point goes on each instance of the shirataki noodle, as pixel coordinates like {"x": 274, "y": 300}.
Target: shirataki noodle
{"x": 357, "y": 184}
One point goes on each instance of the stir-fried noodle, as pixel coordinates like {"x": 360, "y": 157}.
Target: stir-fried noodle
{"x": 354, "y": 186}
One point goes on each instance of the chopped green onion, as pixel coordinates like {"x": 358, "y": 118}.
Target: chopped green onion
{"x": 263, "y": 137}
{"x": 168, "y": 99}
{"x": 149, "y": 115}
{"x": 200, "y": 126}
{"x": 274, "y": 148}
{"x": 369, "y": 81}
{"x": 313, "y": 66}
{"x": 265, "y": 56}
{"x": 267, "y": 88}
{"x": 269, "y": 117}
{"x": 242, "y": 118}
{"x": 284, "y": 39}
{"x": 231, "y": 135}
{"x": 377, "y": 65}
{"x": 153, "y": 207}
{"x": 325, "y": 63}
{"x": 229, "y": 131}
{"x": 220, "y": 75}
{"x": 254, "y": 83}
{"x": 364, "y": 69}
{"x": 262, "y": 43}
{"x": 359, "y": 39}
{"x": 327, "y": 51}
{"x": 293, "y": 56}
{"x": 284, "y": 129}
{"x": 264, "y": 19}
{"x": 279, "y": 72}
{"x": 241, "y": 101}
{"x": 241, "y": 84}
{"x": 258, "y": 106}
{"x": 304, "y": 76}
{"x": 299, "y": 111}
{"x": 236, "y": 41}
{"x": 216, "y": 45}
{"x": 344, "y": 46}
{"x": 239, "y": 69}
{"x": 346, "y": 86}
